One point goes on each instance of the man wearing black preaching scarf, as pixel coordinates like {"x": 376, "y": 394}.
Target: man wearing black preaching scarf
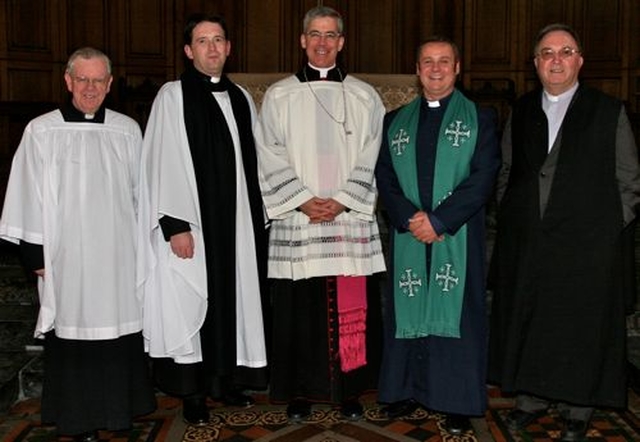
{"x": 203, "y": 248}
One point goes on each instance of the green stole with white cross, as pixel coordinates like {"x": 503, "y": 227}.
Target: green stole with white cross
{"x": 431, "y": 304}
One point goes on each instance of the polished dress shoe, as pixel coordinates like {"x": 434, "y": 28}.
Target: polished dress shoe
{"x": 237, "y": 398}
{"x": 399, "y": 409}
{"x": 195, "y": 411}
{"x": 456, "y": 424}
{"x": 574, "y": 430}
{"x": 520, "y": 419}
{"x": 89, "y": 436}
{"x": 351, "y": 409}
{"x": 298, "y": 409}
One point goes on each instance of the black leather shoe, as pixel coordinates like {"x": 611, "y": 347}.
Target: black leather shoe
{"x": 399, "y": 409}
{"x": 195, "y": 411}
{"x": 574, "y": 430}
{"x": 520, "y": 419}
{"x": 236, "y": 398}
{"x": 89, "y": 436}
{"x": 351, "y": 409}
{"x": 456, "y": 424}
{"x": 298, "y": 409}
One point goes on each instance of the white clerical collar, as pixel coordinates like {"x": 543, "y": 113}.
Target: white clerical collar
{"x": 435, "y": 103}
{"x": 323, "y": 71}
{"x": 215, "y": 80}
{"x": 566, "y": 95}
{"x": 89, "y": 116}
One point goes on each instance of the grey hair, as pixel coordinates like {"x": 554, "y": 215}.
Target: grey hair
{"x": 87, "y": 53}
{"x": 320, "y": 12}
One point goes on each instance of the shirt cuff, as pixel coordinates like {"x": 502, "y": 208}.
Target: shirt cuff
{"x": 437, "y": 225}
{"x": 172, "y": 226}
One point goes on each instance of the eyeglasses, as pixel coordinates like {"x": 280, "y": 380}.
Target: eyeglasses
{"x": 564, "y": 53}
{"x": 317, "y": 35}
{"x": 96, "y": 82}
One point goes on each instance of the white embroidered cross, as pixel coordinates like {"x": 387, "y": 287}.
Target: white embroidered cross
{"x": 446, "y": 278}
{"x": 408, "y": 281}
{"x": 456, "y": 133}
{"x": 400, "y": 141}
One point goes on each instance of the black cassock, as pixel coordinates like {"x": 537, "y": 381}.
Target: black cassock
{"x": 443, "y": 374}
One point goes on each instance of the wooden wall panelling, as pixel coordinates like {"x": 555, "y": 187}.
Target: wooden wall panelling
{"x": 30, "y": 29}
{"x": 143, "y": 41}
{"x": 490, "y": 35}
{"x": 370, "y": 43}
{"x": 138, "y": 87}
{"x": 491, "y": 68}
{"x": 34, "y": 82}
{"x": 600, "y": 32}
{"x": 633, "y": 43}
{"x": 631, "y": 32}
{"x": 4, "y": 62}
{"x": 409, "y": 19}
{"x": 263, "y": 36}
{"x": 85, "y": 23}
{"x": 148, "y": 34}
{"x": 289, "y": 53}
{"x": 30, "y": 50}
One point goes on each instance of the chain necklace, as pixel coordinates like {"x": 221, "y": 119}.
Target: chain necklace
{"x": 343, "y": 122}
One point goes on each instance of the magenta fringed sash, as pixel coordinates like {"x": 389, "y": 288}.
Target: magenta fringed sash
{"x": 352, "y": 315}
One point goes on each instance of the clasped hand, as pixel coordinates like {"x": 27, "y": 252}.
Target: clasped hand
{"x": 422, "y": 230}
{"x": 321, "y": 210}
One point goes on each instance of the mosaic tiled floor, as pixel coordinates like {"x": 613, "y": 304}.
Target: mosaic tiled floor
{"x": 262, "y": 422}
{"x": 268, "y": 423}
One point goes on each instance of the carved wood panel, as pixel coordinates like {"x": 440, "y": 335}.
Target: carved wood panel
{"x": 86, "y": 24}
{"x": 490, "y": 35}
{"x": 144, "y": 40}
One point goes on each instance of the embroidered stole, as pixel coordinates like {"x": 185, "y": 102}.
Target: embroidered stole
{"x": 430, "y": 303}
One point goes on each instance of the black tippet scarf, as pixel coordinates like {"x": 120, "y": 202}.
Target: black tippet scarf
{"x": 213, "y": 157}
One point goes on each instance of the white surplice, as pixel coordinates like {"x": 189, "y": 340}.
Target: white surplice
{"x": 73, "y": 189}
{"x": 333, "y": 157}
{"x": 175, "y": 289}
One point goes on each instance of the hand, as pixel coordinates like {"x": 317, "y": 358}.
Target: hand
{"x": 39, "y": 272}
{"x": 317, "y": 210}
{"x": 182, "y": 244}
{"x": 422, "y": 230}
{"x": 333, "y": 207}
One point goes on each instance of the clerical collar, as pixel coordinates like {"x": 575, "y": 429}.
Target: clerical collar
{"x": 566, "y": 95}
{"x": 73, "y": 115}
{"x": 214, "y": 84}
{"x": 311, "y": 73}
{"x": 436, "y": 104}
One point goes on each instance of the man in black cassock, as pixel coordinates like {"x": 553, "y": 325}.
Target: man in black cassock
{"x": 203, "y": 227}
{"x": 569, "y": 191}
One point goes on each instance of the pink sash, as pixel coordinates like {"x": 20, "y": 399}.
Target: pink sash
{"x": 352, "y": 316}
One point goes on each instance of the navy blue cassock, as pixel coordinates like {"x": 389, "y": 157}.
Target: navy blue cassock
{"x": 442, "y": 374}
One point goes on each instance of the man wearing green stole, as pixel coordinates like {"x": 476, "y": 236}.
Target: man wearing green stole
{"x": 436, "y": 171}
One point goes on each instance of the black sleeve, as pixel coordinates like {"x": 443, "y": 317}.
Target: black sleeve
{"x": 172, "y": 226}
{"x": 32, "y": 255}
